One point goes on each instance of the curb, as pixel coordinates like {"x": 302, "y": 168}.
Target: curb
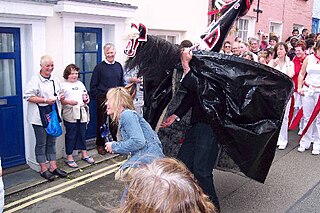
{"x": 24, "y": 179}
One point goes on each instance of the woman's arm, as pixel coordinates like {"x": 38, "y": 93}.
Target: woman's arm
{"x": 136, "y": 141}
{"x": 302, "y": 75}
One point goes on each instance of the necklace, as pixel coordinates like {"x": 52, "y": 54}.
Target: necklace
{"x": 317, "y": 57}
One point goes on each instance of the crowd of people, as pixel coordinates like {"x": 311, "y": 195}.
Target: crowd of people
{"x": 298, "y": 57}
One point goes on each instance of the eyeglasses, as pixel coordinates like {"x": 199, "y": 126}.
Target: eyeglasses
{"x": 227, "y": 46}
{"x": 265, "y": 36}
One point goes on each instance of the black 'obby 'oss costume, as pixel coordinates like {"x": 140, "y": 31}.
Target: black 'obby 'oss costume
{"x": 245, "y": 99}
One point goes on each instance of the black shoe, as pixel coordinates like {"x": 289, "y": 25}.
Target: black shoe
{"x": 47, "y": 175}
{"x": 60, "y": 173}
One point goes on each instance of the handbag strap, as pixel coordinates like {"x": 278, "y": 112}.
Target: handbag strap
{"x": 54, "y": 88}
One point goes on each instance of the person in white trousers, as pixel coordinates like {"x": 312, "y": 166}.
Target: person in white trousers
{"x": 309, "y": 88}
{"x": 282, "y": 63}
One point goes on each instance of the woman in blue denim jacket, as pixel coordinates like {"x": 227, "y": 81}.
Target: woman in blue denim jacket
{"x": 135, "y": 136}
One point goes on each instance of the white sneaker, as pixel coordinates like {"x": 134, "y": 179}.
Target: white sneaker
{"x": 315, "y": 152}
{"x": 282, "y": 147}
{"x": 301, "y": 149}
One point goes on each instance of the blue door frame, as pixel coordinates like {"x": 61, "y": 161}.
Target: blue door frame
{"x": 12, "y": 150}
{"x": 86, "y": 58}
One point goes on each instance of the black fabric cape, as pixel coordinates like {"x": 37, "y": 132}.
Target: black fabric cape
{"x": 246, "y": 101}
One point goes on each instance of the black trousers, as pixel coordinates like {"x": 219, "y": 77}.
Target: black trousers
{"x": 199, "y": 153}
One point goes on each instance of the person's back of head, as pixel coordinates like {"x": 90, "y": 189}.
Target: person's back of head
{"x": 165, "y": 185}
{"x": 185, "y": 43}
{"x": 274, "y": 37}
{"x": 309, "y": 43}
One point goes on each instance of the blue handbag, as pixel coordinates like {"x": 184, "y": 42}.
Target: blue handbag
{"x": 54, "y": 128}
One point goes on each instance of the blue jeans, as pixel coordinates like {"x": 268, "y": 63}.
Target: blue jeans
{"x": 199, "y": 153}
{"x": 45, "y": 145}
{"x": 75, "y": 138}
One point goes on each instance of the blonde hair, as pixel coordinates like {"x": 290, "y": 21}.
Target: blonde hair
{"x": 120, "y": 97}
{"x": 166, "y": 185}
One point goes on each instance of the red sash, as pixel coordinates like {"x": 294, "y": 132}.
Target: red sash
{"x": 313, "y": 116}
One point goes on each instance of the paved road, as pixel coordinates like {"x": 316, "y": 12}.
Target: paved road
{"x": 292, "y": 186}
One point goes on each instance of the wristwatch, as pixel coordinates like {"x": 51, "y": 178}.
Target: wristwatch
{"x": 177, "y": 118}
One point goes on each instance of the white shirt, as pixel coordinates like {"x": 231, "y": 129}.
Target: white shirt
{"x": 39, "y": 86}
{"x": 74, "y": 91}
{"x": 313, "y": 71}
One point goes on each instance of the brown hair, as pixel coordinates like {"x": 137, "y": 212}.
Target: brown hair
{"x": 185, "y": 43}
{"x": 166, "y": 185}
{"x": 301, "y": 44}
{"x": 121, "y": 97}
{"x": 67, "y": 71}
{"x": 274, "y": 37}
{"x": 277, "y": 46}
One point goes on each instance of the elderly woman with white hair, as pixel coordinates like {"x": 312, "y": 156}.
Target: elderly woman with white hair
{"x": 43, "y": 90}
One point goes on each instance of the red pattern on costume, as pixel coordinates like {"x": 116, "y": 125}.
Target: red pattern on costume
{"x": 313, "y": 116}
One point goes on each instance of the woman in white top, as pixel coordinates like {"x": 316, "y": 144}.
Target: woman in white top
{"x": 282, "y": 63}
{"x": 75, "y": 114}
{"x": 43, "y": 90}
{"x": 309, "y": 88}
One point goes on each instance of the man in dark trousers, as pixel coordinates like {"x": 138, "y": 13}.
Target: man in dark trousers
{"x": 200, "y": 148}
{"x": 106, "y": 75}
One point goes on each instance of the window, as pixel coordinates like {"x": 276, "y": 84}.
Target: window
{"x": 172, "y": 37}
{"x": 243, "y": 29}
{"x": 88, "y": 48}
{"x": 276, "y": 28}
{"x": 87, "y": 51}
{"x": 7, "y": 64}
{"x": 315, "y": 25}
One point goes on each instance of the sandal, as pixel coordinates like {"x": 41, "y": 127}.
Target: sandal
{"x": 71, "y": 163}
{"x": 88, "y": 159}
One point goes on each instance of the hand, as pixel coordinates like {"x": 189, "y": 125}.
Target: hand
{"x": 168, "y": 121}
{"x": 61, "y": 95}
{"x": 300, "y": 92}
{"x": 85, "y": 98}
{"x": 108, "y": 147}
{"x": 135, "y": 80}
{"x": 72, "y": 102}
{"x": 50, "y": 101}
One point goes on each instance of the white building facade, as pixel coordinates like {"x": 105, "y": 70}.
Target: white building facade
{"x": 73, "y": 32}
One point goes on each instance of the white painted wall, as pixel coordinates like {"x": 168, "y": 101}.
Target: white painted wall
{"x": 49, "y": 29}
{"x": 188, "y": 17}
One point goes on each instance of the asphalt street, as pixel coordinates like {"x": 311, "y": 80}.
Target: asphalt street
{"x": 292, "y": 185}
